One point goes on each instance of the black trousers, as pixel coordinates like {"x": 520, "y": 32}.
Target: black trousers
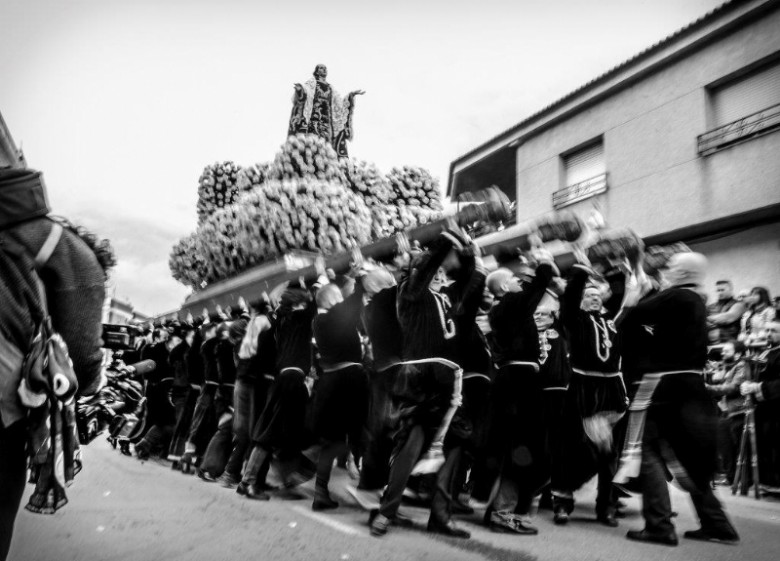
{"x": 656, "y": 504}
{"x": 248, "y": 401}
{"x": 377, "y": 433}
{"x": 13, "y": 473}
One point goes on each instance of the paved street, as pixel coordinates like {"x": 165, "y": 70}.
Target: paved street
{"x": 121, "y": 510}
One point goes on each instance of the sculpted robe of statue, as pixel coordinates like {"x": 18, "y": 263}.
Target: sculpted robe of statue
{"x": 319, "y": 109}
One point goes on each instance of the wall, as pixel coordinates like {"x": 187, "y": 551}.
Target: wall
{"x": 657, "y": 180}
{"x": 749, "y": 258}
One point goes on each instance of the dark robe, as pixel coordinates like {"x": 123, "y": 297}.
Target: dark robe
{"x": 681, "y": 411}
{"x": 340, "y": 397}
{"x": 282, "y": 423}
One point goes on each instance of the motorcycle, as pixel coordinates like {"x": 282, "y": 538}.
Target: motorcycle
{"x": 119, "y": 408}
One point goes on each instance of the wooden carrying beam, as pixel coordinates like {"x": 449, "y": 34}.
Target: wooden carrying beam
{"x": 491, "y": 206}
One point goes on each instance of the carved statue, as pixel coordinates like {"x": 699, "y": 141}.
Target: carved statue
{"x": 319, "y": 109}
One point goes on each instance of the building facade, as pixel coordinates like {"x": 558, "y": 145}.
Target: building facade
{"x": 121, "y": 312}
{"x": 679, "y": 143}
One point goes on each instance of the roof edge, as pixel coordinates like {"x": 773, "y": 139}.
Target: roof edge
{"x": 627, "y": 65}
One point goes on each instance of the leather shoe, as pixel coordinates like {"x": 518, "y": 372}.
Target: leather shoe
{"x": 702, "y": 535}
{"x": 250, "y": 492}
{"x": 645, "y": 536}
{"x": 560, "y": 516}
{"x": 323, "y": 502}
{"x": 448, "y": 529}
{"x": 378, "y": 524}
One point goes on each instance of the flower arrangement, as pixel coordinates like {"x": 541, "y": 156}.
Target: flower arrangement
{"x": 415, "y": 186}
{"x": 216, "y": 188}
{"x": 305, "y": 199}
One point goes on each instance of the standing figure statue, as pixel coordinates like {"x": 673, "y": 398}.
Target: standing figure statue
{"x": 319, "y": 109}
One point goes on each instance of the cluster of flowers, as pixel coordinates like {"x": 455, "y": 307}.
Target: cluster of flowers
{"x": 388, "y": 220}
{"x": 187, "y": 262}
{"x": 217, "y": 188}
{"x": 305, "y": 199}
{"x": 365, "y": 179}
{"x": 415, "y": 186}
{"x": 306, "y": 155}
{"x": 252, "y": 176}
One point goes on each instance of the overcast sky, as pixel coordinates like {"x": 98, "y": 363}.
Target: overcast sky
{"x": 122, "y": 103}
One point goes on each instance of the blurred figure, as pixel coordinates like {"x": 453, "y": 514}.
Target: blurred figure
{"x": 725, "y": 387}
{"x": 766, "y": 391}
{"x": 516, "y": 437}
{"x": 161, "y": 413}
{"x": 759, "y": 314}
{"x": 673, "y": 425}
{"x": 340, "y": 396}
{"x": 281, "y": 426}
{"x": 73, "y": 265}
{"x": 255, "y": 362}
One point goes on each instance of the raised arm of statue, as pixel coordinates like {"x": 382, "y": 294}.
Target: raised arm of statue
{"x": 297, "y": 117}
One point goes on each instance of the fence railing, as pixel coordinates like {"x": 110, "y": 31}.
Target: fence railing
{"x": 579, "y": 191}
{"x": 742, "y": 129}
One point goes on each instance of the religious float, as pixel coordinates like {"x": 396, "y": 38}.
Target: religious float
{"x": 313, "y": 208}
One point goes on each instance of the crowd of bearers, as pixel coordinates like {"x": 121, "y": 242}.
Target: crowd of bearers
{"x": 454, "y": 386}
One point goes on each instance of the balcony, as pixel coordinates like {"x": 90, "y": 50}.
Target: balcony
{"x": 746, "y": 128}
{"x": 579, "y": 191}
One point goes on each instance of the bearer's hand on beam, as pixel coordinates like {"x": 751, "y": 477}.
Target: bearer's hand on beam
{"x": 749, "y": 388}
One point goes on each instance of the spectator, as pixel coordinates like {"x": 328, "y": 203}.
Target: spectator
{"x": 766, "y": 390}
{"x": 74, "y": 277}
{"x": 759, "y": 314}
{"x": 724, "y": 315}
{"x": 725, "y": 386}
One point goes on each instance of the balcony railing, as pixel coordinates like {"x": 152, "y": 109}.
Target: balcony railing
{"x": 753, "y": 125}
{"x": 579, "y": 191}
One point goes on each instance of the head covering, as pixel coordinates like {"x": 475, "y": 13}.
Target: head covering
{"x": 377, "y": 280}
{"x": 237, "y": 330}
{"x": 292, "y": 297}
{"x": 686, "y": 269}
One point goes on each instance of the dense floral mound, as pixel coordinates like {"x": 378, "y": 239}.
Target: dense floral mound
{"x": 306, "y": 199}
{"x": 414, "y": 186}
{"x": 217, "y": 188}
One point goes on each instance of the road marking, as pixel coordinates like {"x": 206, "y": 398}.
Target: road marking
{"x": 328, "y": 521}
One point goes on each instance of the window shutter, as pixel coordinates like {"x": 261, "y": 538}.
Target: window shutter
{"x": 585, "y": 164}
{"x": 747, "y": 95}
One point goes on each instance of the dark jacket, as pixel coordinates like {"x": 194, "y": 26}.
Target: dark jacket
{"x": 75, "y": 290}
{"x": 593, "y": 338}
{"x": 515, "y": 336}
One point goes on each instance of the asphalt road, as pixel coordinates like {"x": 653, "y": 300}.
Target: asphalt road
{"x": 122, "y": 509}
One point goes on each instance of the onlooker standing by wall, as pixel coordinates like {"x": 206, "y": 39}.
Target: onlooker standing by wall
{"x": 724, "y": 315}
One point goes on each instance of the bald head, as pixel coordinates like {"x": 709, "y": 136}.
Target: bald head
{"x": 501, "y": 281}
{"x": 686, "y": 269}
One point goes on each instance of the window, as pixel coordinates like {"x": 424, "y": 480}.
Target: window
{"x": 746, "y": 95}
{"x": 743, "y": 108}
{"x": 584, "y": 175}
{"x": 584, "y": 164}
